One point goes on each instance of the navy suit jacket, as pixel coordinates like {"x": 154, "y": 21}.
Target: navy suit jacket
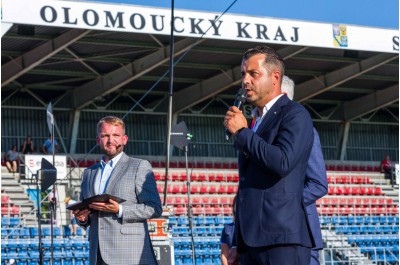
{"x": 272, "y": 169}
{"x": 315, "y": 187}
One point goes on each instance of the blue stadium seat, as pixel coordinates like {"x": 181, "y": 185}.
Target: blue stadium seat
{"x": 335, "y": 220}
{"x": 5, "y": 221}
{"x": 34, "y": 232}
{"x": 219, "y": 220}
{"x": 24, "y": 243}
{"x": 14, "y": 221}
{"x": 4, "y": 232}
{"x": 13, "y": 232}
{"x": 24, "y": 232}
{"x": 172, "y": 220}
{"x": 4, "y": 244}
{"x": 46, "y": 231}
{"x": 183, "y": 221}
{"x": 23, "y": 254}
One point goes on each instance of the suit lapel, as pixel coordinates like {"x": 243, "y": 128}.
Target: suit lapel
{"x": 272, "y": 114}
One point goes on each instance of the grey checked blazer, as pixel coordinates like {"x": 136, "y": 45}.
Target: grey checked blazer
{"x": 123, "y": 240}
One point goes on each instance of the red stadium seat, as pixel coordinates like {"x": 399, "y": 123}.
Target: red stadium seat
{"x": 170, "y": 200}
{"x": 5, "y": 199}
{"x": 220, "y": 178}
{"x": 339, "y": 190}
{"x": 180, "y": 210}
{"x": 198, "y": 210}
{"x": 222, "y": 189}
{"x": 346, "y": 190}
{"x": 157, "y": 176}
{"x": 215, "y": 200}
{"x": 218, "y": 210}
{"x": 378, "y": 191}
{"x": 204, "y": 189}
{"x": 226, "y": 165}
{"x": 205, "y": 200}
{"x": 194, "y": 177}
{"x": 208, "y": 210}
{"x": 229, "y": 178}
{"x": 194, "y": 189}
{"x": 196, "y": 200}
{"x": 213, "y": 189}
{"x": 355, "y": 190}
{"x": 211, "y": 177}
{"x": 233, "y": 189}
{"x": 227, "y": 210}
{"x": 183, "y": 177}
{"x": 176, "y": 189}
{"x": 200, "y": 164}
{"x": 184, "y": 189}
{"x": 203, "y": 177}
{"x": 175, "y": 177}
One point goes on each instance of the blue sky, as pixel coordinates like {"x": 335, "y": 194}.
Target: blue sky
{"x": 371, "y": 13}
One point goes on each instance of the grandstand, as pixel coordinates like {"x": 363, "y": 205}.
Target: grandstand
{"x": 351, "y": 93}
{"x": 359, "y": 218}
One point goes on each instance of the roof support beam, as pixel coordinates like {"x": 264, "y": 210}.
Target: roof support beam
{"x": 22, "y": 64}
{"x": 366, "y": 104}
{"x": 323, "y": 83}
{"x": 208, "y": 88}
{"x": 114, "y": 80}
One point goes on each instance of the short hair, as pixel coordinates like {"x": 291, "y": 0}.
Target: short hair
{"x": 272, "y": 58}
{"x": 287, "y": 87}
{"x": 113, "y": 120}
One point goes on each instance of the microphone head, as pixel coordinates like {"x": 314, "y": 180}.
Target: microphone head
{"x": 240, "y": 98}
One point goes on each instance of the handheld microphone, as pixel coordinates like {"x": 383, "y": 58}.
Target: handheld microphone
{"x": 240, "y": 99}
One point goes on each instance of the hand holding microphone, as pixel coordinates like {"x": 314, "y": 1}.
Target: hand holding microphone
{"x": 234, "y": 118}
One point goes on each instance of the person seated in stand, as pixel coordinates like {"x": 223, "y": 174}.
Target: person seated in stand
{"x": 11, "y": 158}
{"x": 47, "y": 147}
{"x": 227, "y": 236}
{"x": 386, "y": 165}
{"x": 387, "y": 168}
{"x": 28, "y": 147}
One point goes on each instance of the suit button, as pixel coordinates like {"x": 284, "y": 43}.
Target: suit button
{"x": 241, "y": 179}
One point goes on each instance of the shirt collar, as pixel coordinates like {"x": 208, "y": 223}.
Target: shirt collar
{"x": 112, "y": 162}
{"x": 267, "y": 106}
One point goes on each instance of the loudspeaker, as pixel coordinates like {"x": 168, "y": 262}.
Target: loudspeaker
{"x": 164, "y": 252}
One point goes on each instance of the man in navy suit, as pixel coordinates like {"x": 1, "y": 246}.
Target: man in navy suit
{"x": 271, "y": 225}
{"x": 316, "y": 185}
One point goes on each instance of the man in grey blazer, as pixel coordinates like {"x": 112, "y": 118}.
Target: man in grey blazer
{"x": 118, "y": 233}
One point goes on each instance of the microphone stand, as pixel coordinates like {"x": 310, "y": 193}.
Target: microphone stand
{"x": 39, "y": 219}
{"x": 189, "y": 205}
{"x": 52, "y": 207}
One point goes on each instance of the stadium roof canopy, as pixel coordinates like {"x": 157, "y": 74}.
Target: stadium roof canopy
{"x": 80, "y": 54}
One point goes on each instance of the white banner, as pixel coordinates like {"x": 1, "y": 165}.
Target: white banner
{"x": 397, "y": 173}
{"x": 151, "y": 20}
{"x": 33, "y": 164}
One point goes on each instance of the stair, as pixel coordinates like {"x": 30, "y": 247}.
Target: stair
{"x": 389, "y": 190}
{"x": 12, "y": 188}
